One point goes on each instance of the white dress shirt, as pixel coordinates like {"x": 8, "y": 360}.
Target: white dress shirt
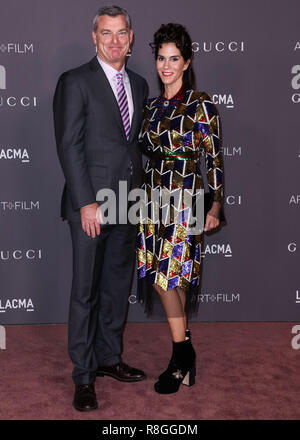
{"x": 110, "y": 73}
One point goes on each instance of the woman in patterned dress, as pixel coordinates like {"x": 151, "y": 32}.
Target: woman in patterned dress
{"x": 177, "y": 126}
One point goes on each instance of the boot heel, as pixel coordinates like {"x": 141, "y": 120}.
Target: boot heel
{"x": 189, "y": 378}
{"x": 181, "y": 369}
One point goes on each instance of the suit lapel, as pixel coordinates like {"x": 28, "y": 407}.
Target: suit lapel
{"x": 134, "y": 92}
{"x": 108, "y": 92}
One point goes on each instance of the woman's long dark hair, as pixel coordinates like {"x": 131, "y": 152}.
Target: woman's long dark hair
{"x": 177, "y": 34}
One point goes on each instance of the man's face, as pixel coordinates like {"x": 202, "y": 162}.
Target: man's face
{"x": 112, "y": 39}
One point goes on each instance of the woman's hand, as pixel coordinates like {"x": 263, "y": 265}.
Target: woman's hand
{"x": 212, "y": 218}
{"x": 211, "y": 223}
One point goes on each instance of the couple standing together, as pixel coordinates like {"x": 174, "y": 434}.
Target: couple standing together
{"x": 103, "y": 123}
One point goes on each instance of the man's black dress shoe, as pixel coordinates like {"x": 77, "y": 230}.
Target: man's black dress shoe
{"x": 122, "y": 372}
{"x": 85, "y": 398}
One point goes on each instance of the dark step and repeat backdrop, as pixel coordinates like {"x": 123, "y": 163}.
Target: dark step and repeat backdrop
{"x": 247, "y": 57}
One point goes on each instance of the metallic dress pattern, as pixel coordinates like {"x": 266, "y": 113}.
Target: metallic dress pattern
{"x": 175, "y": 132}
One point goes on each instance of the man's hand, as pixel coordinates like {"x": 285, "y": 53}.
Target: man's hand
{"x": 89, "y": 221}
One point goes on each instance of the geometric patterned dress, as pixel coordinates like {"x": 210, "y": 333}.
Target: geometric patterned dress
{"x": 174, "y": 133}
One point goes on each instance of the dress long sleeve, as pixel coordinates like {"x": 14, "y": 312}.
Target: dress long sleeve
{"x": 208, "y": 123}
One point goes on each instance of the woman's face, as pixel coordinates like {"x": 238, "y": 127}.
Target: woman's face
{"x": 170, "y": 65}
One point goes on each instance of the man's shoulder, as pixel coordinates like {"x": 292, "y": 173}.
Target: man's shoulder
{"x": 135, "y": 76}
{"x": 78, "y": 72}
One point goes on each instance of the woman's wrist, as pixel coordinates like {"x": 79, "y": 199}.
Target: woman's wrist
{"x": 215, "y": 209}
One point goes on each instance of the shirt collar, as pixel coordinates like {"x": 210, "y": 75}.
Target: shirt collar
{"x": 110, "y": 72}
{"x": 178, "y": 97}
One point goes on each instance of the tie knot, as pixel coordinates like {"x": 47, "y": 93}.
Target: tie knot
{"x": 119, "y": 77}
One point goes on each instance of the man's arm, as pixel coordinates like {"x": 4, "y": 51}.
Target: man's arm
{"x": 69, "y": 123}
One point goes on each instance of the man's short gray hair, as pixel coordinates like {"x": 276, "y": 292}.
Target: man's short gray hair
{"x": 112, "y": 11}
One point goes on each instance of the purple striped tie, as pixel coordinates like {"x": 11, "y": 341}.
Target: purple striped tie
{"x": 123, "y": 103}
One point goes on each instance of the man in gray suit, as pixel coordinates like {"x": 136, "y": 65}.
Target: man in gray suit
{"x": 98, "y": 111}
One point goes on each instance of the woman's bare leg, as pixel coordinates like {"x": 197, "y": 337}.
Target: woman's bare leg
{"x": 172, "y": 304}
{"x": 182, "y": 296}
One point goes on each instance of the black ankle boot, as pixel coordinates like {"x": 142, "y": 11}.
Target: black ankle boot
{"x": 181, "y": 369}
{"x": 187, "y": 336}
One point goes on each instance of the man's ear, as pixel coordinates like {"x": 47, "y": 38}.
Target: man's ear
{"x": 131, "y": 36}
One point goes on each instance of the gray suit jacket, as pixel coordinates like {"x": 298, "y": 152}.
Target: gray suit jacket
{"x": 91, "y": 142}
